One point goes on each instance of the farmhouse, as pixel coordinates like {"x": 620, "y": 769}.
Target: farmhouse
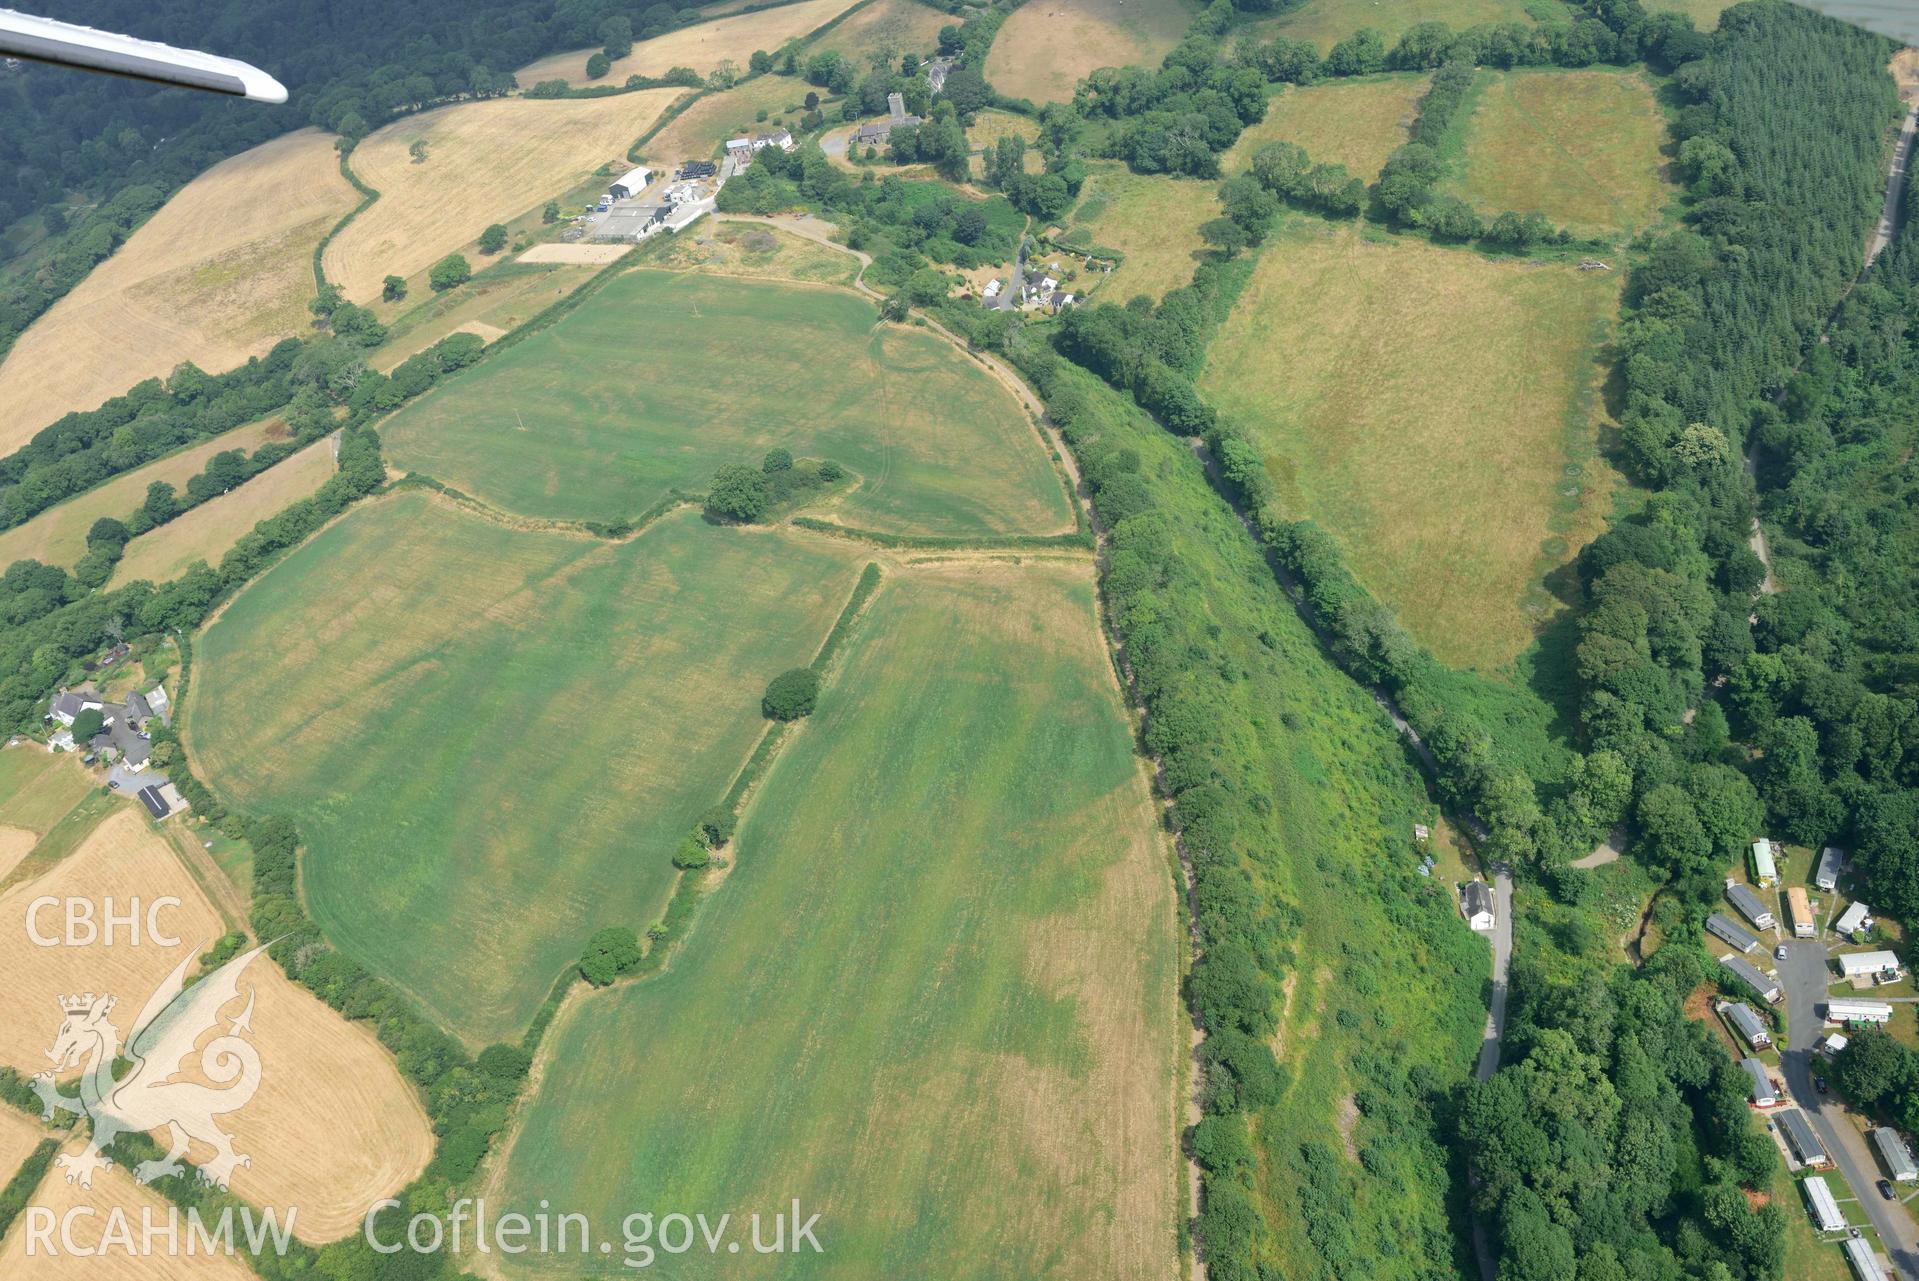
{"x": 1803, "y": 925}
{"x": 1747, "y": 1022}
{"x": 1750, "y": 976}
{"x": 1476, "y": 905}
{"x": 1805, "y": 1145}
{"x": 67, "y": 705}
{"x": 1825, "y": 1208}
{"x": 631, "y": 185}
{"x": 1856, "y": 917}
{"x": 1750, "y": 905}
{"x": 1826, "y": 877}
{"x": 1865, "y": 1263}
{"x": 1881, "y": 965}
{"x": 1765, "y": 870}
{"x": 781, "y": 138}
{"x": 1850, "y": 1012}
{"x": 1897, "y": 1156}
{"x": 1726, "y": 930}
{"x": 1764, "y": 1093}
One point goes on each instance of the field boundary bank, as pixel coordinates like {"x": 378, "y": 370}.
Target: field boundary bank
{"x": 622, "y": 531}
{"x": 934, "y": 543}
{"x": 368, "y": 197}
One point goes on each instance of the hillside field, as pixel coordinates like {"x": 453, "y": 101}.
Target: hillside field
{"x": 1376, "y": 376}
{"x": 1327, "y": 22}
{"x": 935, "y": 997}
{"x": 492, "y": 304}
{"x": 1046, "y": 48}
{"x": 892, "y": 27}
{"x": 58, "y": 535}
{"x": 1356, "y": 122}
{"x": 486, "y": 162}
{"x": 494, "y": 742}
{"x": 700, "y": 132}
{"x": 220, "y": 273}
{"x": 209, "y": 530}
{"x": 1152, "y": 219}
{"x": 702, "y": 47}
{"x": 661, "y": 377}
{"x": 1580, "y": 147}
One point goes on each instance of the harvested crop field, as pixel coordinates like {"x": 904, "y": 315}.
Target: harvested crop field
{"x": 1327, "y": 22}
{"x": 1152, "y": 220}
{"x": 209, "y": 530}
{"x": 892, "y": 27}
{"x": 603, "y": 415}
{"x": 89, "y": 1213}
{"x": 575, "y": 254}
{"x": 18, "y": 1138}
{"x": 934, "y": 998}
{"x": 38, "y": 787}
{"x": 1356, "y": 123}
{"x": 1580, "y": 147}
{"x": 700, "y": 132}
{"x": 702, "y": 47}
{"x": 484, "y": 776}
{"x": 58, "y": 535}
{"x": 220, "y": 273}
{"x": 1376, "y": 377}
{"x": 1047, "y": 47}
{"x": 486, "y": 162}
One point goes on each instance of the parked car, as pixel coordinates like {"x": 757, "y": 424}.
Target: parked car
{"x": 1779, "y": 953}
{"x": 1885, "y": 1190}
{"x": 1819, "y": 1084}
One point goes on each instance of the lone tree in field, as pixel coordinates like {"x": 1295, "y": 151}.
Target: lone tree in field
{"x": 739, "y": 494}
{"x": 493, "y": 239}
{"x": 450, "y": 272}
{"x": 610, "y": 953}
{"x": 393, "y": 288}
{"x": 87, "y": 724}
{"x": 776, "y": 460}
{"x": 791, "y": 695}
{"x": 551, "y": 213}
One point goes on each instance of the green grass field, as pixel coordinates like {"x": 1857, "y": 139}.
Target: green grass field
{"x": 1326, "y": 22}
{"x": 1580, "y": 147}
{"x": 934, "y": 999}
{"x": 38, "y": 787}
{"x": 661, "y": 377}
{"x": 493, "y": 742}
{"x": 1356, "y": 123}
{"x": 1377, "y": 374}
{"x": 1151, "y": 219}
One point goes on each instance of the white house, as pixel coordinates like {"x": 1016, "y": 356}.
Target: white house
{"x": 1839, "y": 1010}
{"x": 1855, "y": 918}
{"x": 1476, "y": 905}
{"x": 1765, "y": 870}
{"x": 1825, "y": 1207}
{"x": 67, "y": 705}
{"x": 1881, "y": 965}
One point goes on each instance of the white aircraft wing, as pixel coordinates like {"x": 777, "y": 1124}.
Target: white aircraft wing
{"x": 63, "y": 44}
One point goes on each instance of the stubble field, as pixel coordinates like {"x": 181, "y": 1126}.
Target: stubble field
{"x": 1326, "y": 22}
{"x": 935, "y": 997}
{"x": 1046, "y": 48}
{"x": 702, "y": 47}
{"x": 1356, "y": 123}
{"x": 220, "y": 273}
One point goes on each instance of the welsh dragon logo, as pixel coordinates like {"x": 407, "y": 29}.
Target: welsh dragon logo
{"x": 146, "y": 1098}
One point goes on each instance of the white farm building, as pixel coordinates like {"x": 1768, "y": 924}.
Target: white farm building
{"x": 631, "y": 185}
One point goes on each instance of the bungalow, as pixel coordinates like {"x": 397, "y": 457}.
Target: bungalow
{"x": 1856, "y": 917}
{"x": 1864, "y": 1260}
{"x": 1805, "y": 1144}
{"x": 1750, "y": 905}
{"x": 1476, "y": 905}
{"x": 1825, "y": 1207}
{"x": 1847, "y": 1012}
{"x": 1826, "y": 877}
{"x": 1750, "y": 976}
{"x": 1803, "y": 924}
{"x": 1897, "y": 1156}
{"x": 1746, "y": 1021}
{"x": 1881, "y": 965}
{"x": 1764, "y": 1093}
{"x": 1727, "y": 930}
{"x": 1765, "y": 870}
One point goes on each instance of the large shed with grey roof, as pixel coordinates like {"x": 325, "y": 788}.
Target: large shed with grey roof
{"x": 1750, "y": 905}
{"x": 1727, "y": 930}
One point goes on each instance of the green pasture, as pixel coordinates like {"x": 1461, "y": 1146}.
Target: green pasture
{"x": 662, "y": 377}
{"x": 935, "y": 996}
{"x": 493, "y": 740}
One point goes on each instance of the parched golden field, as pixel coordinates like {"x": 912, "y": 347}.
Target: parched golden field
{"x": 38, "y": 787}
{"x": 88, "y": 1211}
{"x": 18, "y": 1138}
{"x": 889, "y": 27}
{"x": 1153, "y": 220}
{"x": 58, "y": 535}
{"x": 220, "y": 273}
{"x": 1356, "y": 123}
{"x": 1377, "y": 377}
{"x": 702, "y": 47}
{"x": 699, "y": 132}
{"x": 206, "y": 532}
{"x": 486, "y": 162}
{"x": 743, "y": 248}
{"x": 1580, "y": 147}
{"x": 1047, "y": 47}
{"x": 1327, "y": 22}
{"x": 333, "y": 1127}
